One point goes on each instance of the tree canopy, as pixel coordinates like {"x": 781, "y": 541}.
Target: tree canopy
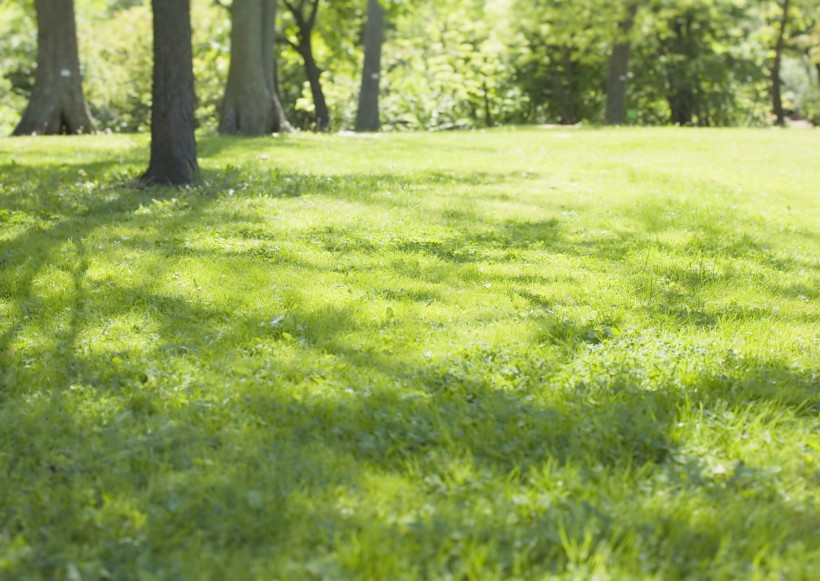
{"x": 459, "y": 64}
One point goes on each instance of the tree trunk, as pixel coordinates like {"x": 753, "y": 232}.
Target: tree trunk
{"x": 314, "y": 79}
{"x": 305, "y": 24}
{"x": 681, "y": 106}
{"x": 367, "y": 116}
{"x": 568, "y": 108}
{"x": 777, "y": 100}
{"x": 57, "y": 104}
{"x": 618, "y": 79}
{"x": 251, "y": 105}
{"x": 488, "y": 110}
{"x": 173, "y": 144}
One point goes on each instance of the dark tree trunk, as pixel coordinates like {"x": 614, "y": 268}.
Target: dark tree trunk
{"x": 488, "y": 110}
{"x": 617, "y": 82}
{"x": 251, "y": 105}
{"x": 682, "y": 93}
{"x": 305, "y": 23}
{"x": 367, "y": 116}
{"x": 777, "y": 100}
{"x": 173, "y": 144}
{"x": 681, "y": 106}
{"x": 568, "y": 109}
{"x": 57, "y": 104}
{"x": 314, "y": 79}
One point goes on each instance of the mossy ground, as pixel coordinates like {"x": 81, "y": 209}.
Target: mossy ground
{"x": 515, "y": 354}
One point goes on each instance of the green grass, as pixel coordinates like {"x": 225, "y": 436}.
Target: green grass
{"x": 517, "y": 354}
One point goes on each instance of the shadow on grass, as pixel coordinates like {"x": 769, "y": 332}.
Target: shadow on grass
{"x": 208, "y": 441}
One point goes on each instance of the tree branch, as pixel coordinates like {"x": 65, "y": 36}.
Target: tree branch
{"x": 314, "y": 9}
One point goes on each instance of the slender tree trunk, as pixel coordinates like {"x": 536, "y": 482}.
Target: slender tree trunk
{"x": 618, "y": 79}
{"x": 305, "y": 23}
{"x": 57, "y": 104}
{"x": 568, "y": 108}
{"x": 367, "y": 116}
{"x": 251, "y": 105}
{"x": 173, "y": 144}
{"x": 280, "y": 121}
{"x": 314, "y": 79}
{"x": 777, "y": 100}
{"x": 488, "y": 110}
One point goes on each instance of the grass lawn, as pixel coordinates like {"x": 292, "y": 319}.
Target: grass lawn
{"x": 515, "y": 354}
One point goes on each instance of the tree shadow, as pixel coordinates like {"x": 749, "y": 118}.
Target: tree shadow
{"x": 238, "y": 432}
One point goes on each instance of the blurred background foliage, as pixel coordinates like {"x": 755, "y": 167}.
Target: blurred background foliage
{"x": 455, "y": 64}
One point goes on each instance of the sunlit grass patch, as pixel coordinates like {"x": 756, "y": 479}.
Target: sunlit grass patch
{"x": 484, "y": 355}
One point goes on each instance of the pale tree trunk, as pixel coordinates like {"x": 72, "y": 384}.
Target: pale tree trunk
{"x": 251, "y": 105}
{"x": 173, "y": 144}
{"x": 367, "y": 116}
{"x": 777, "y": 100}
{"x": 57, "y": 105}
{"x": 618, "y": 79}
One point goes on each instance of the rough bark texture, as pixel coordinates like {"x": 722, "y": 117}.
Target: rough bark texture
{"x": 57, "y": 104}
{"x": 367, "y": 115}
{"x": 777, "y": 100}
{"x": 618, "y": 79}
{"x": 251, "y": 105}
{"x": 173, "y": 145}
{"x": 304, "y": 46}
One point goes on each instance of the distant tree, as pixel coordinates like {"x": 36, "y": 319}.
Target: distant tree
{"x": 618, "y": 77}
{"x": 304, "y": 14}
{"x": 777, "y": 99}
{"x": 251, "y": 105}
{"x": 173, "y": 144}
{"x": 57, "y": 104}
{"x": 561, "y": 64}
{"x": 367, "y": 115}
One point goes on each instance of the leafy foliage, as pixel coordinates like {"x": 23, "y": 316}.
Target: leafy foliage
{"x": 461, "y": 64}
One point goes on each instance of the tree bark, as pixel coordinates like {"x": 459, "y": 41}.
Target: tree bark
{"x": 173, "y": 144}
{"x": 618, "y": 79}
{"x": 251, "y": 105}
{"x": 314, "y": 79}
{"x": 57, "y": 105}
{"x": 777, "y": 100}
{"x": 304, "y": 46}
{"x": 367, "y": 115}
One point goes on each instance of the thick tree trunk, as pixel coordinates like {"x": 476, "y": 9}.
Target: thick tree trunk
{"x": 367, "y": 116}
{"x": 57, "y": 104}
{"x": 618, "y": 79}
{"x": 777, "y": 100}
{"x": 251, "y": 105}
{"x": 681, "y": 107}
{"x": 173, "y": 144}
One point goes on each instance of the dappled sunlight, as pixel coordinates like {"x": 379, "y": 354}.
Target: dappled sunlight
{"x": 302, "y": 359}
